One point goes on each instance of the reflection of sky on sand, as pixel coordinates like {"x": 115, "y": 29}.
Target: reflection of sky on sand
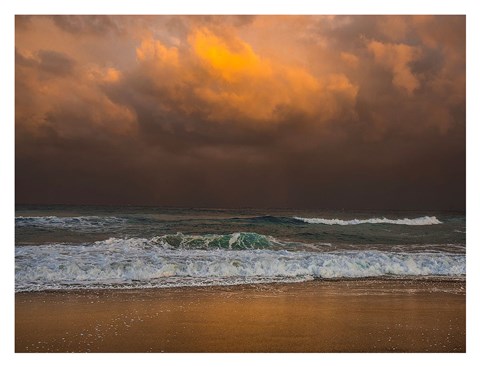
{"x": 309, "y": 317}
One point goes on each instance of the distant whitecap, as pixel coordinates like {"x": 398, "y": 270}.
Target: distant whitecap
{"x": 421, "y": 221}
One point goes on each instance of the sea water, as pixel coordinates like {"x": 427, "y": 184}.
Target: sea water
{"x": 87, "y": 247}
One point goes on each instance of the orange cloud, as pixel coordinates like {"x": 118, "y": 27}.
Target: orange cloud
{"x": 395, "y": 27}
{"x": 151, "y": 49}
{"x": 350, "y": 59}
{"x": 231, "y": 81}
{"x": 396, "y": 58}
{"x": 200, "y": 99}
{"x": 85, "y": 103}
{"x": 229, "y": 60}
{"x": 103, "y": 75}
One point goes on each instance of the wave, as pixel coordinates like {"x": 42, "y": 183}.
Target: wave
{"x": 421, "y": 221}
{"x": 237, "y": 241}
{"x": 270, "y": 219}
{"x": 92, "y": 222}
{"x": 155, "y": 262}
{"x": 68, "y": 222}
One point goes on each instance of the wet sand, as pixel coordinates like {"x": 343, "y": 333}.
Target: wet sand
{"x": 315, "y": 316}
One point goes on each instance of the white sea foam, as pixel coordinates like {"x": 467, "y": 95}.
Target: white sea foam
{"x": 139, "y": 262}
{"x": 421, "y": 221}
{"x": 68, "y": 222}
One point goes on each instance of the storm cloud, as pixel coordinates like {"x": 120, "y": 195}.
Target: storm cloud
{"x": 359, "y": 112}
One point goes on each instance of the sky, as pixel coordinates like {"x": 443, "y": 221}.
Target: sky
{"x": 321, "y": 112}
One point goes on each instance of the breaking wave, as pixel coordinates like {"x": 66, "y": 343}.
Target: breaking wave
{"x": 68, "y": 222}
{"x": 421, "y": 221}
{"x": 169, "y": 261}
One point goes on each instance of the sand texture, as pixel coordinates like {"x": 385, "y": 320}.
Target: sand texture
{"x": 315, "y": 316}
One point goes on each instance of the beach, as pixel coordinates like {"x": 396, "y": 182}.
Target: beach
{"x": 365, "y": 315}
{"x": 239, "y": 183}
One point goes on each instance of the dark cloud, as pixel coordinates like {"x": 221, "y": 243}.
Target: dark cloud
{"x": 372, "y": 116}
{"x": 100, "y": 25}
{"x": 47, "y": 61}
{"x": 22, "y": 21}
{"x": 55, "y": 62}
{"x": 241, "y": 20}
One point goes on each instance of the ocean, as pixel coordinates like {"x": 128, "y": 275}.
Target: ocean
{"x": 92, "y": 247}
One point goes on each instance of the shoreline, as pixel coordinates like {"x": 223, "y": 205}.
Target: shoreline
{"x": 122, "y": 288}
{"x": 360, "y": 315}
